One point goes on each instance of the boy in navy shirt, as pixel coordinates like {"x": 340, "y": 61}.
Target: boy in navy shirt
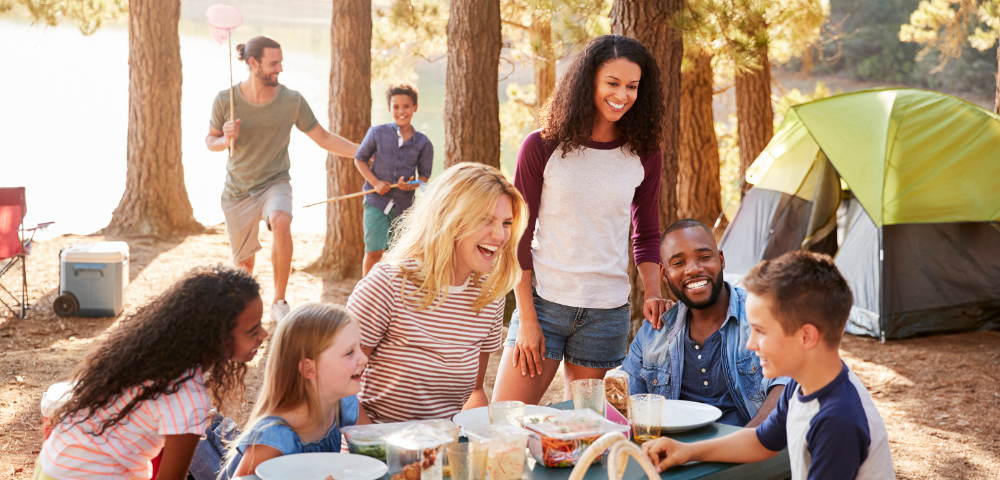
{"x": 797, "y": 306}
{"x": 400, "y": 154}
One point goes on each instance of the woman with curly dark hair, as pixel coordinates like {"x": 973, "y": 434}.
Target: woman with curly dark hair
{"x": 592, "y": 168}
{"x": 150, "y": 385}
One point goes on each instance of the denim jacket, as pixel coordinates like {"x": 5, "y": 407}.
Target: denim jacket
{"x": 656, "y": 358}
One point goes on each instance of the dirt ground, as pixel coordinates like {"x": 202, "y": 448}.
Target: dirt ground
{"x": 939, "y": 396}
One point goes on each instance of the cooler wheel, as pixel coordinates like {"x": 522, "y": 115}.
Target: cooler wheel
{"x": 66, "y": 305}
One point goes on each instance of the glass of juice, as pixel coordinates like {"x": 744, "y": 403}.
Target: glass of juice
{"x": 646, "y": 412}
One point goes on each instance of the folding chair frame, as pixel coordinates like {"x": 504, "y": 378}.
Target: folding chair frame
{"x": 22, "y": 305}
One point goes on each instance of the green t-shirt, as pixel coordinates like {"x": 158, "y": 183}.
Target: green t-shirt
{"x": 261, "y": 155}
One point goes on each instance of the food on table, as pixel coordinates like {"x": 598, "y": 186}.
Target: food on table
{"x": 616, "y": 390}
{"x": 415, "y": 453}
{"x": 329, "y": 477}
{"x": 560, "y": 440}
{"x": 505, "y": 449}
{"x": 369, "y": 440}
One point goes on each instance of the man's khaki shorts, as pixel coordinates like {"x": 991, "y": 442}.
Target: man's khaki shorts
{"x": 243, "y": 217}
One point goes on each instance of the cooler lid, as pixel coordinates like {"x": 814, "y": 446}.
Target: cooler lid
{"x": 96, "y": 252}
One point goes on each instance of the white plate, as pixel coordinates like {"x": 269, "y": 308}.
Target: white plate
{"x": 682, "y": 415}
{"x": 318, "y": 466}
{"x": 478, "y": 417}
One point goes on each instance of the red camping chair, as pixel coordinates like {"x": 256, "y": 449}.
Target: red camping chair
{"x": 15, "y": 246}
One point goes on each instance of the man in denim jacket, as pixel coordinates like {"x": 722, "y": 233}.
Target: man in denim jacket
{"x": 701, "y": 355}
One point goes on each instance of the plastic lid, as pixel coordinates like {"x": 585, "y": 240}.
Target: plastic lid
{"x": 571, "y": 424}
{"x": 55, "y": 397}
{"x": 503, "y": 431}
{"x": 96, "y": 252}
{"x": 418, "y": 437}
{"x": 376, "y": 433}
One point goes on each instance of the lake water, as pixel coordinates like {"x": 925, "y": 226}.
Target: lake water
{"x": 64, "y": 119}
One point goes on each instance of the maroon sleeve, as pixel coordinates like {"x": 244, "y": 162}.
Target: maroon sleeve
{"x": 646, "y": 212}
{"x": 528, "y": 179}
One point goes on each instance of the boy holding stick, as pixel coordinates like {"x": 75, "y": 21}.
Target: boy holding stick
{"x": 399, "y": 152}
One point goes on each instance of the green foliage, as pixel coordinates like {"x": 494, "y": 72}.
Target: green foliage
{"x": 948, "y": 25}
{"x": 571, "y": 22}
{"x": 405, "y": 32}
{"x": 89, "y": 15}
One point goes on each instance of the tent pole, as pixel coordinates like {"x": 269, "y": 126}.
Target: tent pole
{"x": 882, "y": 319}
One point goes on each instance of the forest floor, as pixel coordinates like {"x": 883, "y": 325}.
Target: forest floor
{"x": 939, "y": 395}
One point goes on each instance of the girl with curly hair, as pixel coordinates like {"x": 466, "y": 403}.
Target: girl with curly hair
{"x": 313, "y": 374}
{"x": 432, "y": 311}
{"x": 149, "y": 387}
{"x": 592, "y": 168}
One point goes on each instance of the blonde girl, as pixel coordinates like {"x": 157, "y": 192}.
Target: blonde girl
{"x": 431, "y": 312}
{"x": 312, "y": 376}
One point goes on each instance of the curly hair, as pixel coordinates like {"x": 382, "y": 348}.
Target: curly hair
{"x": 156, "y": 349}
{"x": 567, "y": 118}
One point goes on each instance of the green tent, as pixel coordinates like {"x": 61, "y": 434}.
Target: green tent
{"x": 914, "y": 178}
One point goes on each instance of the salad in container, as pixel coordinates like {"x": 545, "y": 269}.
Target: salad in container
{"x": 369, "y": 440}
{"x": 559, "y": 439}
{"x": 416, "y": 453}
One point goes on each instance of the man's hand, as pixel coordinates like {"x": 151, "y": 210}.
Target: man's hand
{"x": 666, "y": 452}
{"x": 406, "y": 187}
{"x": 382, "y": 187}
{"x": 653, "y": 308}
{"x": 232, "y": 130}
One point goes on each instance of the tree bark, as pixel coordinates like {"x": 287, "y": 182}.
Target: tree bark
{"x": 996, "y": 97}
{"x": 754, "y": 113}
{"x": 155, "y": 201}
{"x": 472, "y": 104}
{"x": 350, "y": 111}
{"x": 651, "y": 22}
{"x": 699, "y": 196}
{"x": 544, "y": 61}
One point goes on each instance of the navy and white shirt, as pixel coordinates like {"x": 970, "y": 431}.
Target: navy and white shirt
{"x": 833, "y": 433}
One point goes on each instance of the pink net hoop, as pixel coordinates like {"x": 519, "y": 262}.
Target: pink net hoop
{"x": 222, "y": 19}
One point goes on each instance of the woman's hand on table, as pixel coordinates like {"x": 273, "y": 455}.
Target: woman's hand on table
{"x": 666, "y": 452}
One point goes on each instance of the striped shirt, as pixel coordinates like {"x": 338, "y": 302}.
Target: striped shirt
{"x": 425, "y": 362}
{"x": 124, "y": 451}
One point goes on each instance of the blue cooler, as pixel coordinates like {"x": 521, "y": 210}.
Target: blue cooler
{"x": 92, "y": 279}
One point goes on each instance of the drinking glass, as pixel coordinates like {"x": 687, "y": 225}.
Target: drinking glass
{"x": 467, "y": 460}
{"x": 646, "y": 411}
{"x": 509, "y": 412}
{"x": 588, "y": 393}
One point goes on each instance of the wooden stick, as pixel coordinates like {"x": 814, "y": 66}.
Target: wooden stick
{"x": 231, "y": 107}
{"x": 345, "y": 197}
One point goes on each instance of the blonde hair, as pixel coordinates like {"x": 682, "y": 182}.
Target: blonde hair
{"x": 459, "y": 202}
{"x": 305, "y": 332}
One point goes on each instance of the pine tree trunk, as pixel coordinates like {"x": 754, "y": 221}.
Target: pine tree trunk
{"x": 350, "y": 111}
{"x": 155, "y": 201}
{"x": 651, "y": 22}
{"x": 996, "y": 97}
{"x": 472, "y": 104}
{"x": 699, "y": 195}
{"x": 754, "y": 114}
{"x": 544, "y": 62}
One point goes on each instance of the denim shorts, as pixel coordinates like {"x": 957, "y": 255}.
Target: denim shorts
{"x": 588, "y": 337}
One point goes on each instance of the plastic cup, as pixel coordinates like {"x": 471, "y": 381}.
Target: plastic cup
{"x": 467, "y": 460}
{"x": 588, "y": 393}
{"x": 507, "y": 412}
{"x": 646, "y": 411}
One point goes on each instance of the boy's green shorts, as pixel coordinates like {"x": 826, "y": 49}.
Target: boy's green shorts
{"x": 377, "y": 228}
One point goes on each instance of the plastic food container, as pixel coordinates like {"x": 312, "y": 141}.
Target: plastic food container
{"x": 370, "y": 440}
{"x": 416, "y": 453}
{"x": 506, "y": 454}
{"x": 559, "y": 440}
{"x": 616, "y": 390}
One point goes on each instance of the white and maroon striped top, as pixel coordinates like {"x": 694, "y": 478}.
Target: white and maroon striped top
{"x": 124, "y": 451}
{"x": 425, "y": 363}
